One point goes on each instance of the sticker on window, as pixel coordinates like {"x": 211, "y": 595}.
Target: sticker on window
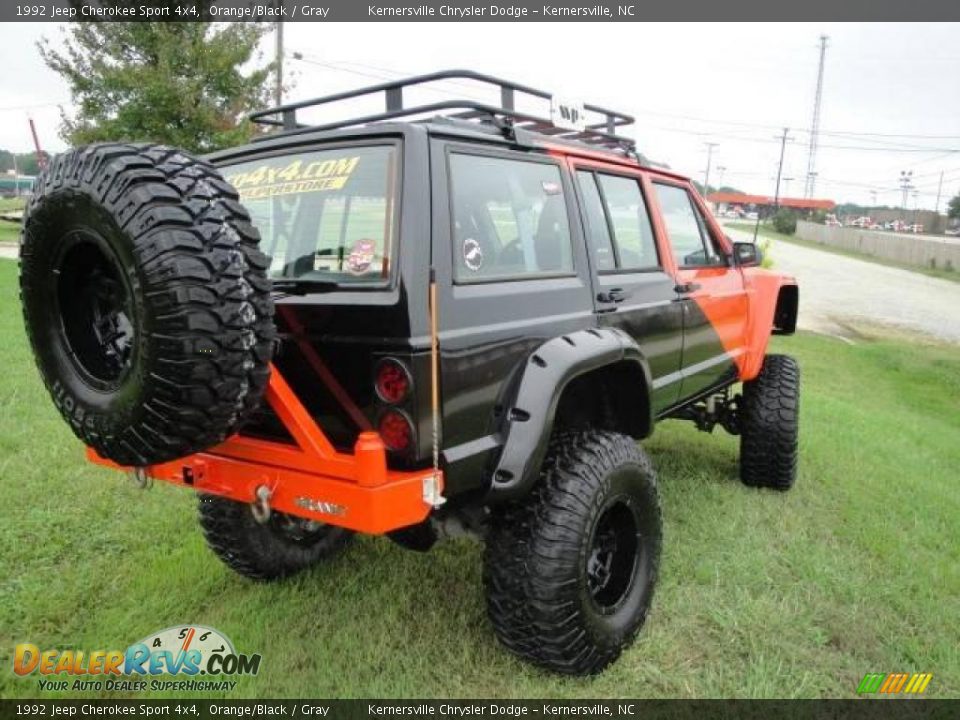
{"x": 472, "y": 254}
{"x": 550, "y": 187}
{"x": 361, "y": 256}
{"x": 296, "y": 177}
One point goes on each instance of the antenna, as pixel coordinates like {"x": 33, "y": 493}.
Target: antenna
{"x": 815, "y": 125}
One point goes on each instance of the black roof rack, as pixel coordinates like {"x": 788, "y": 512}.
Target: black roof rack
{"x": 505, "y": 116}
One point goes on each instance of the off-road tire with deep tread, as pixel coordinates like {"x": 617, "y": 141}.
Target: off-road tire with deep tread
{"x": 536, "y": 554}
{"x": 197, "y": 287}
{"x": 263, "y": 551}
{"x": 769, "y": 418}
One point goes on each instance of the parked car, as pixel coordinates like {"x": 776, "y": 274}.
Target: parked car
{"x": 414, "y": 328}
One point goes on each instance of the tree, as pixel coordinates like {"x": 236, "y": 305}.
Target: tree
{"x": 24, "y": 163}
{"x": 179, "y": 83}
{"x": 953, "y": 208}
{"x": 785, "y": 221}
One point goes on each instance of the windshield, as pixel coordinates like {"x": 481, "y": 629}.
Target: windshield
{"x": 324, "y": 216}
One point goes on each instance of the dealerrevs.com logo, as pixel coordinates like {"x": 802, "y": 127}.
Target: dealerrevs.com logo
{"x": 192, "y": 653}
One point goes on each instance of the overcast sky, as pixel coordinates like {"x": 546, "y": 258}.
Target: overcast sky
{"x": 891, "y": 98}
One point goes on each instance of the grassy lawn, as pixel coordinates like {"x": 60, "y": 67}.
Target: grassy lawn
{"x": 10, "y": 232}
{"x": 761, "y": 594}
{"x": 768, "y": 232}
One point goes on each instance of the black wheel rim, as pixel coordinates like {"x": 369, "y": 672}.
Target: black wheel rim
{"x": 614, "y": 555}
{"x": 298, "y": 531}
{"x": 95, "y": 305}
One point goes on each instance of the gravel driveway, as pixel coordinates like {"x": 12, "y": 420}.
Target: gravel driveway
{"x": 835, "y": 288}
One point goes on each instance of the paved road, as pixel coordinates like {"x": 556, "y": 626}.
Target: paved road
{"x": 835, "y": 288}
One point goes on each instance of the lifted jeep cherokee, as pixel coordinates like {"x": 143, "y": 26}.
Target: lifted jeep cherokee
{"x": 413, "y": 327}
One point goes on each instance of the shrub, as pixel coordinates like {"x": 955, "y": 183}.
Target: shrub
{"x": 785, "y": 221}
{"x": 765, "y": 246}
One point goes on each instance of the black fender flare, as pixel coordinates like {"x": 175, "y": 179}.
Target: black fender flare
{"x": 528, "y": 417}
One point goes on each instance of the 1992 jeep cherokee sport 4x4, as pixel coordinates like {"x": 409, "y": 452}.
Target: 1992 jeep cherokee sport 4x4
{"x": 414, "y": 327}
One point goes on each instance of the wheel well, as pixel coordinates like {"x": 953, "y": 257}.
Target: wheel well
{"x": 613, "y": 397}
{"x": 785, "y": 314}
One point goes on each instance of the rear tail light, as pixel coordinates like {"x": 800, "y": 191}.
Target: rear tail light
{"x": 396, "y": 430}
{"x": 392, "y": 381}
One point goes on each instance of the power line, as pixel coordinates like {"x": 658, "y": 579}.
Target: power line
{"x": 699, "y": 133}
{"x": 12, "y": 108}
{"x": 768, "y": 126}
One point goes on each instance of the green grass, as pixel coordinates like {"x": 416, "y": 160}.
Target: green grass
{"x": 768, "y": 232}
{"x": 10, "y": 232}
{"x": 761, "y": 594}
{"x": 8, "y": 204}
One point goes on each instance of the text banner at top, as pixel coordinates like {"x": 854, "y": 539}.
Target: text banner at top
{"x": 466, "y": 11}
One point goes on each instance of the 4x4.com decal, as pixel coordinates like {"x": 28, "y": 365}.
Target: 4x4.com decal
{"x": 184, "y": 650}
{"x": 294, "y": 178}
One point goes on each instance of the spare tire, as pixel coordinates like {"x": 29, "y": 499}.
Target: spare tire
{"x": 146, "y": 300}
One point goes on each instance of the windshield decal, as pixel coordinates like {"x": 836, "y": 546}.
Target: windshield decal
{"x": 297, "y": 177}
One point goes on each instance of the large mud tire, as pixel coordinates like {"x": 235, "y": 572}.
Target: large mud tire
{"x": 146, "y": 300}
{"x": 275, "y": 549}
{"x": 769, "y": 439}
{"x": 570, "y": 571}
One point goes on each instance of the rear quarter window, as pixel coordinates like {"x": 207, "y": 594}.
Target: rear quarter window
{"x": 509, "y": 219}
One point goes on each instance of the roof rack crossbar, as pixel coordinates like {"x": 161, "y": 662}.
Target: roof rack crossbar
{"x": 603, "y": 133}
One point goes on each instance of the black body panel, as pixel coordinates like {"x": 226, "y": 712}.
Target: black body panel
{"x": 490, "y": 330}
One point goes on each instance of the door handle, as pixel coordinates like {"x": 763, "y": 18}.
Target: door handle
{"x": 613, "y": 295}
{"x": 686, "y": 288}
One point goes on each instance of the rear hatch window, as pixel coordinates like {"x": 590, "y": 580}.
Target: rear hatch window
{"x": 325, "y": 216}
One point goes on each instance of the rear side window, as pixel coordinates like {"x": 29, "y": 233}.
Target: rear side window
{"x": 632, "y": 232}
{"x": 691, "y": 243}
{"x": 615, "y": 204}
{"x": 509, "y": 219}
{"x": 326, "y": 215}
{"x": 598, "y": 233}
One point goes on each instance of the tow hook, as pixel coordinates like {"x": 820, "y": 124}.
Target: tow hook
{"x": 140, "y": 479}
{"x": 261, "y": 505}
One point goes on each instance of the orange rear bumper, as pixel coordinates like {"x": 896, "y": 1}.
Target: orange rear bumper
{"x": 310, "y": 479}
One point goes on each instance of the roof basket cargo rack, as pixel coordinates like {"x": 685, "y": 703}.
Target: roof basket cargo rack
{"x": 505, "y": 116}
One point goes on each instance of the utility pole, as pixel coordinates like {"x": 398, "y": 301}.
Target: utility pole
{"x": 783, "y": 147}
{"x": 873, "y": 197}
{"x": 906, "y": 185}
{"x": 815, "y": 124}
{"x": 706, "y": 175}
{"x": 721, "y": 169}
{"x": 279, "y": 60}
{"x": 936, "y": 208}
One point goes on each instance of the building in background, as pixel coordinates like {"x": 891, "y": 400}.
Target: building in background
{"x": 14, "y": 185}
{"x": 730, "y": 204}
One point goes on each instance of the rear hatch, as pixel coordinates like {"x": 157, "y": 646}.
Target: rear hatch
{"x": 328, "y": 219}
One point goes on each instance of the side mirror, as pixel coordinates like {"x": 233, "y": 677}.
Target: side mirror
{"x": 746, "y": 254}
